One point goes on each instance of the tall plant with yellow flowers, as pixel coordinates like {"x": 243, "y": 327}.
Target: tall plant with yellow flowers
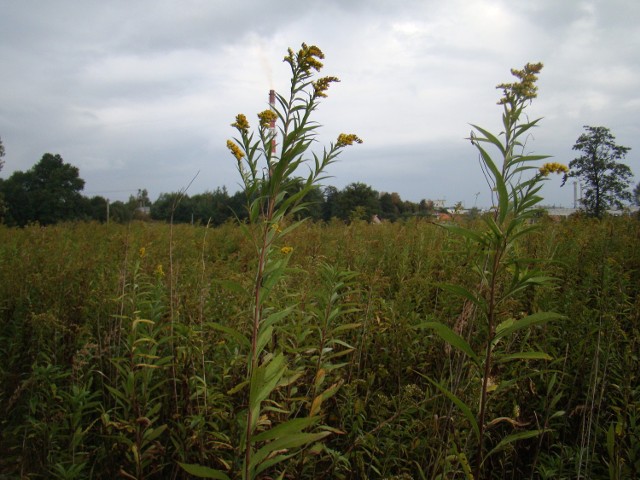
{"x": 269, "y": 165}
{"x": 502, "y": 273}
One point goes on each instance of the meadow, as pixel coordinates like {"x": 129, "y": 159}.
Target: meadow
{"x": 123, "y": 353}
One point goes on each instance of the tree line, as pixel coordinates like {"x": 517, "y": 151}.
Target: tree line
{"x": 51, "y": 192}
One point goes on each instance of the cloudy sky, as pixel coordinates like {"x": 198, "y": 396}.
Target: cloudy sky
{"x": 142, "y": 94}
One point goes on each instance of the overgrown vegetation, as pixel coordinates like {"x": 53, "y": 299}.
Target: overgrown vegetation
{"x": 278, "y": 348}
{"x": 69, "y": 343}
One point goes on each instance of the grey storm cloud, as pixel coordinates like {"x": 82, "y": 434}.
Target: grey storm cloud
{"x": 142, "y": 94}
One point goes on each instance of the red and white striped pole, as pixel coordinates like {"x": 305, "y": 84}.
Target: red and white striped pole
{"x": 272, "y": 125}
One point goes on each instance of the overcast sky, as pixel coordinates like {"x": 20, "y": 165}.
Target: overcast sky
{"x": 141, "y": 94}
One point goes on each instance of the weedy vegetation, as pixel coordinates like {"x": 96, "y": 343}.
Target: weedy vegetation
{"x": 276, "y": 348}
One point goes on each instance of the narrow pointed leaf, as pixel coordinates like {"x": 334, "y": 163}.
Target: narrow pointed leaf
{"x": 285, "y": 443}
{"x": 509, "y": 439}
{"x": 534, "y": 319}
{"x": 452, "y": 338}
{"x": 464, "y": 408}
{"x": 232, "y": 332}
{"x": 296, "y": 425}
{"x": 201, "y": 471}
{"x": 524, "y": 356}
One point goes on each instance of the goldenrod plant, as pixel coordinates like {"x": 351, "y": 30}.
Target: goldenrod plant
{"x": 271, "y": 180}
{"x": 502, "y": 272}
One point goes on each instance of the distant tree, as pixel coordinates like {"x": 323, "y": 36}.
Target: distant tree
{"x": 138, "y": 205}
{"x": 3, "y": 209}
{"x": 426, "y": 207}
{"x": 636, "y": 194}
{"x": 606, "y": 181}
{"x": 174, "y": 206}
{"x": 330, "y": 205}
{"x": 389, "y": 209}
{"x": 47, "y": 193}
{"x": 211, "y": 207}
{"x": 314, "y": 201}
{"x": 120, "y": 212}
{"x": 238, "y": 205}
{"x": 357, "y": 195}
{"x": 95, "y": 208}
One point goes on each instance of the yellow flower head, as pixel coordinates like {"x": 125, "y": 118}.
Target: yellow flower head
{"x": 345, "y": 139}
{"x": 307, "y": 58}
{"x": 159, "y": 271}
{"x": 553, "y": 167}
{"x": 267, "y": 117}
{"x": 235, "y": 150}
{"x": 241, "y": 123}
{"x": 142, "y": 252}
{"x": 523, "y": 90}
{"x": 286, "y": 250}
{"x": 321, "y": 85}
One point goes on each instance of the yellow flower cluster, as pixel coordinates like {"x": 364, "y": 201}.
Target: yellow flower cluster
{"x": 321, "y": 85}
{"x": 266, "y": 117}
{"x": 306, "y": 58}
{"x": 241, "y": 123}
{"x": 525, "y": 89}
{"x": 235, "y": 150}
{"x": 553, "y": 167}
{"x": 286, "y": 250}
{"x": 142, "y": 252}
{"x": 345, "y": 139}
{"x": 159, "y": 271}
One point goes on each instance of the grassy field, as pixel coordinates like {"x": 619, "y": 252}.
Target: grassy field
{"x": 123, "y": 352}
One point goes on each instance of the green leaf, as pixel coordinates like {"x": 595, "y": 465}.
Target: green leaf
{"x": 284, "y": 443}
{"x": 465, "y": 232}
{"x": 465, "y": 293}
{"x": 201, "y": 471}
{"x": 232, "y": 332}
{"x": 490, "y": 138}
{"x": 264, "y": 337}
{"x": 452, "y": 338}
{"x": 509, "y": 439}
{"x": 152, "y": 433}
{"x": 464, "y": 408}
{"x": 316, "y": 405}
{"x": 289, "y": 427}
{"x": 263, "y": 380}
{"x": 503, "y": 195}
{"x": 534, "y": 319}
{"x": 524, "y": 356}
{"x": 232, "y": 286}
{"x": 347, "y": 326}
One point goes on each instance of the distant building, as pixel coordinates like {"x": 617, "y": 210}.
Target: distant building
{"x": 561, "y": 212}
{"x": 143, "y": 211}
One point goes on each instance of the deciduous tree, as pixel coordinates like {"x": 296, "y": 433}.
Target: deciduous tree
{"x": 605, "y": 179}
{"x": 47, "y": 193}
